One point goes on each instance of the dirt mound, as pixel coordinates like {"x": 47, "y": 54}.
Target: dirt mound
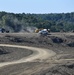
{"x": 16, "y": 39}
{"x": 71, "y": 44}
{"x": 71, "y": 66}
{"x": 57, "y": 40}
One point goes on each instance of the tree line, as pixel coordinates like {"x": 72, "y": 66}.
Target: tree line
{"x": 56, "y": 22}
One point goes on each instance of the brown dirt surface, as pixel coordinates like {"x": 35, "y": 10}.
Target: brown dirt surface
{"x": 60, "y": 64}
{"x": 11, "y": 54}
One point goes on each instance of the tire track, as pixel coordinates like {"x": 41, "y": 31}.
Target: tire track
{"x": 38, "y": 54}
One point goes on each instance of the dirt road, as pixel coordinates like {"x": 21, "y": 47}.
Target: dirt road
{"x": 38, "y": 54}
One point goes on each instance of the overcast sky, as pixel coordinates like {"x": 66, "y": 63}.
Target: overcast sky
{"x": 37, "y": 6}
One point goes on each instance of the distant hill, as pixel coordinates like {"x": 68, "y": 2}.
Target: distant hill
{"x": 56, "y": 22}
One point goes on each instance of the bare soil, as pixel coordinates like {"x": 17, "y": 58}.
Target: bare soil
{"x": 10, "y": 54}
{"x": 61, "y": 64}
